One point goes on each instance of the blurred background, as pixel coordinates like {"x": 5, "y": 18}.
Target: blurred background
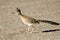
{"x": 12, "y": 28}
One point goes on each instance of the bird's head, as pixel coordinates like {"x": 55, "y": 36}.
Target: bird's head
{"x": 19, "y": 11}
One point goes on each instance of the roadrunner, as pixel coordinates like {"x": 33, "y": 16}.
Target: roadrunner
{"x": 31, "y": 21}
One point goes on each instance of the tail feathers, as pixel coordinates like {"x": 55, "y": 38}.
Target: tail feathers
{"x": 50, "y": 22}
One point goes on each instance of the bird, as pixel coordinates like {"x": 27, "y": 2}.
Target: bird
{"x": 29, "y": 21}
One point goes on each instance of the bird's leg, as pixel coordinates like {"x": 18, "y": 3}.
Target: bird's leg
{"x": 33, "y": 28}
{"x": 29, "y": 28}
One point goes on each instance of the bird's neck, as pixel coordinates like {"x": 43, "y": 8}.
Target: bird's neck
{"x": 21, "y": 15}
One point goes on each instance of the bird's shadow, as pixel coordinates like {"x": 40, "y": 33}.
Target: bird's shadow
{"x": 52, "y": 30}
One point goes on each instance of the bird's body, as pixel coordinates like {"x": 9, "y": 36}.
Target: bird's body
{"x": 25, "y": 20}
{"x": 28, "y": 20}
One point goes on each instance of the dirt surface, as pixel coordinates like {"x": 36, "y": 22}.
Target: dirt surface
{"x": 12, "y": 28}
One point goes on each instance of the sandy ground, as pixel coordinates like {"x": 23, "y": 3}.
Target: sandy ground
{"x": 12, "y": 28}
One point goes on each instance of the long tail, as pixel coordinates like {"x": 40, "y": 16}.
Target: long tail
{"x": 50, "y": 22}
